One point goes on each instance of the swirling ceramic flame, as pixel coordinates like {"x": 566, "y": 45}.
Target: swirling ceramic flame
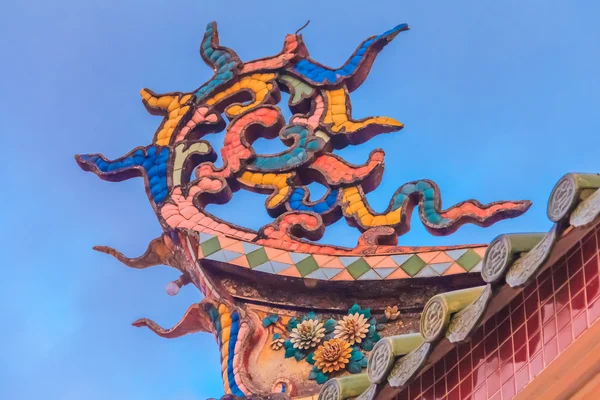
{"x": 245, "y": 94}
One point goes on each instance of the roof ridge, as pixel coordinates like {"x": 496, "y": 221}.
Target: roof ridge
{"x": 511, "y": 261}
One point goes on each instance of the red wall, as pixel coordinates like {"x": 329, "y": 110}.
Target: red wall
{"x": 512, "y": 348}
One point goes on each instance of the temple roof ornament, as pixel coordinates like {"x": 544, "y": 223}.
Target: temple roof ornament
{"x": 275, "y": 296}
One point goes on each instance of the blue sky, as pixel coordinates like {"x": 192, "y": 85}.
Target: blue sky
{"x": 499, "y": 99}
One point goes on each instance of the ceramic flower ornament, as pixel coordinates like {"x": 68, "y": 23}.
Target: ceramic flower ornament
{"x": 332, "y": 355}
{"x": 307, "y": 334}
{"x": 352, "y": 328}
{"x": 392, "y": 313}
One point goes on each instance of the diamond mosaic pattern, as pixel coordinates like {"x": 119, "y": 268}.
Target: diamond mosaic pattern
{"x": 210, "y": 246}
{"x": 327, "y": 267}
{"x": 413, "y": 265}
{"x": 358, "y": 268}
{"x": 307, "y": 265}
{"x": 468, "y": 260}
{"x": 257, "y": 257}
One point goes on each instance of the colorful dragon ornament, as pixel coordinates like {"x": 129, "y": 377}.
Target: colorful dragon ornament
{"x": 241, "y": 98}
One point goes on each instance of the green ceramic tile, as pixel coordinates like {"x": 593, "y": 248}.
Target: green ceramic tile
{"x": 469, "y": 260}
{"x": 413, "y": 265}
{"x": 212, "y": 245}
{"x": 257, "y": 257}
{"x": 358, "y": 268}
{"x": 307, "y": 266}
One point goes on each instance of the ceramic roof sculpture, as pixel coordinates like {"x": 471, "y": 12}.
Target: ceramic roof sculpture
{"x": 290, "y": 313}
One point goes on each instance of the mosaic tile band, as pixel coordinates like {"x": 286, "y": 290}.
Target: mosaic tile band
{"x": 332, "y": 267}
{"x": 267, "y": 344}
